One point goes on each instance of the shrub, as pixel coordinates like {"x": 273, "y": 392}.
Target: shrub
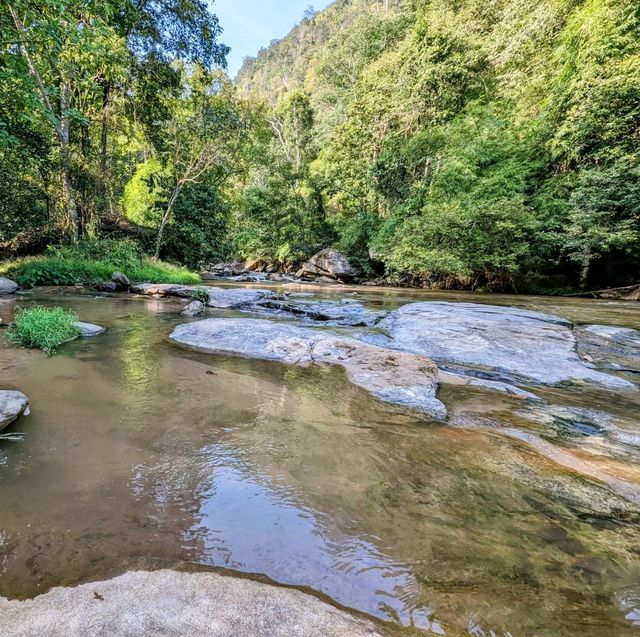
{"x": 200, "y": 294}
{"x": 91, "y": 262}
{"x": 43, "y": 328}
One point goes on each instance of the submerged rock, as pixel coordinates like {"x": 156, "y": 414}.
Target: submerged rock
{"x": 394, "y": 377}
{"x": 12, "y": 405}
{"x": 87, "y": 330}
{"x": 7, "y": 286}
{"x": 329, "y": 263}
{"x": 174, "y": 604}
{"x": 497, "y": 343}
{"x": 193, "y": 309}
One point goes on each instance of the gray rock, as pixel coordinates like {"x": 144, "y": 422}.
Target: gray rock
{"x": 87, "y": 330}
{"x": 173, "y": 604}
{"x": 502, "y": 344}
{"x": 193, "y": 309}
{"x": 7, "y": 286}
{"x": 616, "y": 348}
{"x": 107, "y": 286}
{"x": 121, "y": 280}
{"x": 164, "y": 289}
{"x": 331, "y": 263}
{"x": 12, "y": 405}
{"x": 394, "y": 377}
{"x": 345, "y": 312}
{"x": 236, "y": 298}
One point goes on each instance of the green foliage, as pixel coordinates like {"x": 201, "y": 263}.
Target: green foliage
{"x": 90, "y": 262}
{"x": 471, "y": 143}
{"x": 200, "y": 294}
{"x": 43, "y": 328}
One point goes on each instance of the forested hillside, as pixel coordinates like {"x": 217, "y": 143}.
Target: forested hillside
{"x": 476, "y": 142}
{"x": 471, "y": 143}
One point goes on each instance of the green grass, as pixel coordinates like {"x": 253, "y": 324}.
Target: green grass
{"x": 90, "y": 262}
{"x": 43, "y": 328}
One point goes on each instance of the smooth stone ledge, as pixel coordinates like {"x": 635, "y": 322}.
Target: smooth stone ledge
{"x": 505, "y": 344}
{"x": 174, "y": 604}
{"x": 13, "y": 404}
{"x": 395, "y": 377}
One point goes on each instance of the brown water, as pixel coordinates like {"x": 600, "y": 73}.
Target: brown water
{"x": 136, "y": 449}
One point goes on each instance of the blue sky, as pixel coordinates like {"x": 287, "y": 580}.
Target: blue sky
{"x": 251, "y": 24}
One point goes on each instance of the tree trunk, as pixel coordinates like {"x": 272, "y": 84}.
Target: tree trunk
{"x": 165, "y": 220}
{"x": 65, "y": 155}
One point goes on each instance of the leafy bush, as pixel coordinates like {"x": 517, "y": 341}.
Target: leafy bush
{"x": 200, "y": 294}
{"x": 43, "y": 328}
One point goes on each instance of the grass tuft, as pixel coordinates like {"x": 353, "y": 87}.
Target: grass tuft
{"x": 43, "y": 328}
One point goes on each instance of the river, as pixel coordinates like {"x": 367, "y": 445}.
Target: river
{"x": 138, "y": 453}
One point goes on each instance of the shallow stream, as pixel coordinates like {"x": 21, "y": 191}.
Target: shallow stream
{"x": 138, "y": 450}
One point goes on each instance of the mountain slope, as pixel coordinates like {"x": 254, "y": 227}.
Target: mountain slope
{"x": 473, "y": 141}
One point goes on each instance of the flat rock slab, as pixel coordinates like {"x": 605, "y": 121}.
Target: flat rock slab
{"x": 236, "y": 298}
{"x": 346, "y": 312}
{"x": 395, "y": 377}
{"x": 609, "y": 347}
{"x": 174, "y": 604}
{"x": 220, "y": 298}
{"x": 505, "y": 344}
{"x": 87, "y": 330}
{"x": 12, "y": 405}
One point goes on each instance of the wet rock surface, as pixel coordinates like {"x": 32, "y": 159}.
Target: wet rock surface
{"x": 395, "y": 377}
{"x": 503, "y": 344}
{"x": 608, "y": 347}
{"x": 12, "y": 405}
{"x": 175, "y": 604}
{"x": 88, "y": 330}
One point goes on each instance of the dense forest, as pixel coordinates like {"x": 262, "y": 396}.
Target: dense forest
{"x": 472, "y": 143}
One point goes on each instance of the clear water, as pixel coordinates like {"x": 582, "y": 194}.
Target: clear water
{"x": 139, "y": 451}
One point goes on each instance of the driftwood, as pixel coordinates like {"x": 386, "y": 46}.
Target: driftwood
{"x": 626, "y": 293}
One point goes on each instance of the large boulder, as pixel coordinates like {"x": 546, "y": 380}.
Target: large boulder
{"x": 174, "y": 604}
{"x": 330, "y": 263}
{"x": 121, "y": 280}
{"x": 12, "y": 405}
{"x": 394, "y": 377}
{"x": 193, "y": 309}
{"x": 7, "y": 286}
{"x": 504, "y": 344}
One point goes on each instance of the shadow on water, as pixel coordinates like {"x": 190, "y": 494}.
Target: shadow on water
{"x": 136, "y": 449}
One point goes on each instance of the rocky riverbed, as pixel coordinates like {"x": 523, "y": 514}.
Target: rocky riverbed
{"x": 411, "y": 457}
